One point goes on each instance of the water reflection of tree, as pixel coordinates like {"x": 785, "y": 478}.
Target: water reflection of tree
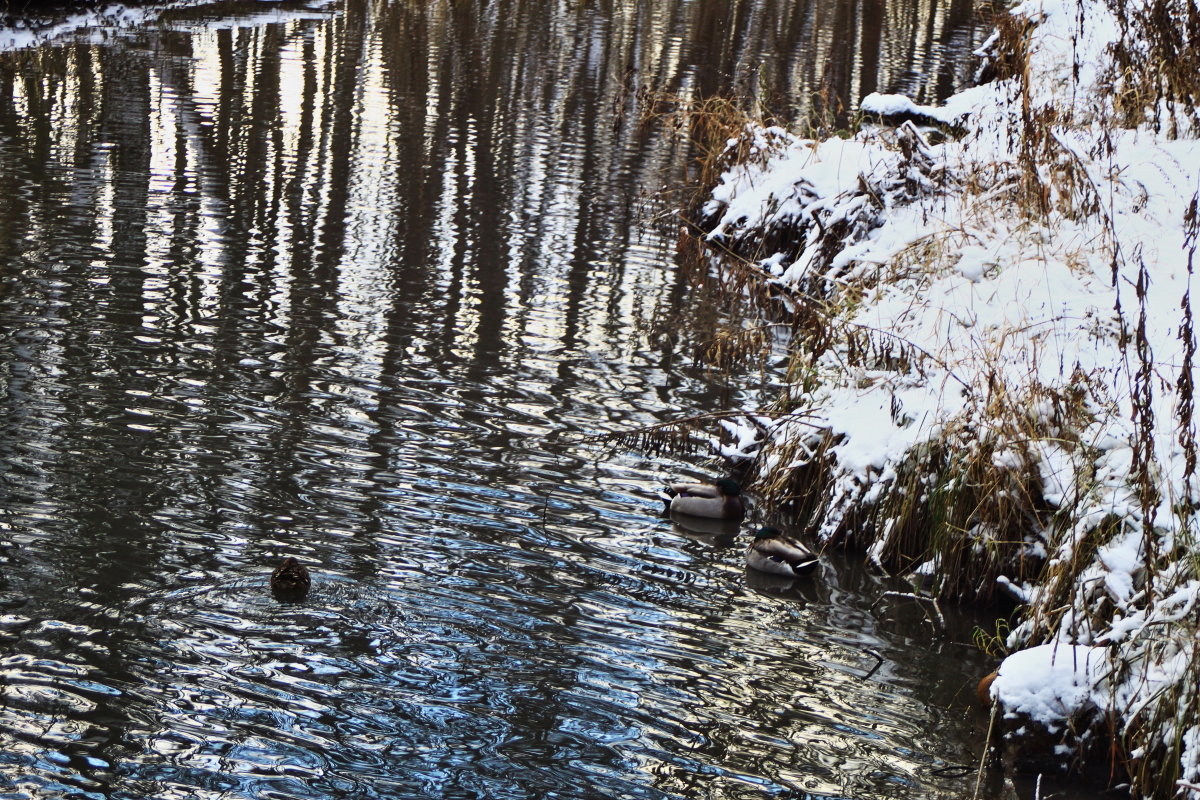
{"x": 256, "y": 272}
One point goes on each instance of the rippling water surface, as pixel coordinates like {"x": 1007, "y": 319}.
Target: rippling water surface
{"x": 357, "y": 282}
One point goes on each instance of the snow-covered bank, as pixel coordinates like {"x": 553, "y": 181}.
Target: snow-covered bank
{"x": 35, "y": 24}
{"x": 1000, "y": 390}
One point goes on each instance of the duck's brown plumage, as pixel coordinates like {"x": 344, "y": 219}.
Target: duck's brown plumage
{"x": 290, "y": 577}
{"x": 984, "y": 689}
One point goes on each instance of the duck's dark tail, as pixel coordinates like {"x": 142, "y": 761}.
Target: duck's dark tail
{"x": 667, "y": 494}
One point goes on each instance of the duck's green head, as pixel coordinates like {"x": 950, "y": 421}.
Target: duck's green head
{"x": 767, "y": 533}
{"x": 728, "y": 486}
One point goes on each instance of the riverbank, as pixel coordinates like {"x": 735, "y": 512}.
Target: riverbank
{"x": 26, "y": 25}
{"x": 992, "y": 343}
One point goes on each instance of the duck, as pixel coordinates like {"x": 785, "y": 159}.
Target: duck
{"x": 983, "y": 690}
{"x": 718, "y": 500}
{"x": 290, "y": 578}
{"x": 772, "y": 551}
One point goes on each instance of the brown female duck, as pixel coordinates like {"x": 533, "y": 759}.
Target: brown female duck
{"x": 290, "y": 578}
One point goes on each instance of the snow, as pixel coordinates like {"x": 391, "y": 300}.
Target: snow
{"x": 1052, "y": 682}
{"x": 966, "y": 313}
{"x": 895, "y": 105}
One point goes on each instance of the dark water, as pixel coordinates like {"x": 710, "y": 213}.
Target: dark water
{"x": 357, "y": 283}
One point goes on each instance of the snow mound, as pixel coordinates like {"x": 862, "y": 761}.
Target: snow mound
{"x": 1052, "y": 683}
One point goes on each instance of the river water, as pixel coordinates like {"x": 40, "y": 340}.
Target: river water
{"x": 360, "y": 283}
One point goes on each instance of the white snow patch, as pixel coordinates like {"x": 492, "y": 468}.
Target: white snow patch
{"x": 1052, "y": 682}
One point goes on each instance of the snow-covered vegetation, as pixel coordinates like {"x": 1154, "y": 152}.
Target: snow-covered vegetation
{"x": 992, "y": 379}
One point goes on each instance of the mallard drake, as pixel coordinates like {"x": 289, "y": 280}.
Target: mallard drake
{"x": 290, "y": 578}
{"x": 772, "y": 551}
{"x": 717, "y": 500}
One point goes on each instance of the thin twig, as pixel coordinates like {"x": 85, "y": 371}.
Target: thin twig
{"x": 932, "y": 600}
{"x": 879, "y": 661}
{"x": 910, "y": 343}
{"x": 938, "y": 609}
{"x": 694, "y": 420}
{"x": 987, "y": 745}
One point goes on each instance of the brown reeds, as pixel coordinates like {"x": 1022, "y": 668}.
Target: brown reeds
{"x": 1153, "y": 75}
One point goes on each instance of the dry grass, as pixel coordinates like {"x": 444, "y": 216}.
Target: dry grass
{"x": 1154, "y": 78}
{"x": 709, "y": 125}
